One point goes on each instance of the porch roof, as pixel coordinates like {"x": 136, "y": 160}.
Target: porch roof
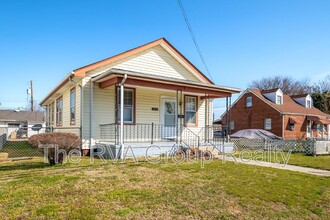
{"x": 114, "y": 76}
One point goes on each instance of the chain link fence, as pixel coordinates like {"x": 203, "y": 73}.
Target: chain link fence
{"x": 14, "y": 141}
{"x": 307, "y": 147}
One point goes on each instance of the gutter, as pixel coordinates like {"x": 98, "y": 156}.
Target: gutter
{"x": 66, "y": 79}
{"x": 169, "y": 80}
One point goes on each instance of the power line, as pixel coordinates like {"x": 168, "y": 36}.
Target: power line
{"x": 194, "y": 38}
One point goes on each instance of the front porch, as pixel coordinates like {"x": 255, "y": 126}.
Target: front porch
{"x": 155, "y": 110}
{"x": 151, "y": 139}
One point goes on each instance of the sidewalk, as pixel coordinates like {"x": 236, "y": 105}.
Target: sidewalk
{"x": 307, "y": 170}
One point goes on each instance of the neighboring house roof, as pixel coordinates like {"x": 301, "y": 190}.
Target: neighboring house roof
{"x": 299, "y": 96}
{"x": 217, "y": 121}
{"x": 289, "y": 106}
{"x": 21, "y": 116}
{"x": 269, "y": 90}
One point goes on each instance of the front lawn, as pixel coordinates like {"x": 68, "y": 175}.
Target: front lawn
{"x": 163, "y": 191}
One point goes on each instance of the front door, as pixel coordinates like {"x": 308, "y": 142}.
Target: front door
{"x": 168, "y": 118}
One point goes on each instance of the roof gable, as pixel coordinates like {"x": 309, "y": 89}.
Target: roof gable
{"x": 145, "y": 50}
{"x": 153, "y": 61}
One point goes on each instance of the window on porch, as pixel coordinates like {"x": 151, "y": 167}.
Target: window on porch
{"x": 129, "y": 106}
{"x": 191, "y": 108}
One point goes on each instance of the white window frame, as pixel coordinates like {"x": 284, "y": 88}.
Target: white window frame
{"x": 268, "y": 124}
{"x": 308, "y": 103}
{"x": 132, "y": 107}
{"x": 248, "y": 101}
{"x": 194, "y": 111}
{"x": 279, "y": 102}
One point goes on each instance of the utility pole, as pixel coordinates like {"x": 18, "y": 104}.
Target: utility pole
{"x": 31, "y": 87}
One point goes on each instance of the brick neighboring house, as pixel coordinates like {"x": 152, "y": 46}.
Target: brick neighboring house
{"x": 290, "y": 117}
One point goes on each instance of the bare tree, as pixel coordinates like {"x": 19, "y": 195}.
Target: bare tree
{"x": 287, "y": 84}
{"x": 37, "y": 107}
{"x": 323, "y": 86}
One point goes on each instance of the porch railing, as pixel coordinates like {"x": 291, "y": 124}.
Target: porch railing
{"x": 215, "y": 135}
{"x": 189, "y": 138}
{"x": 138, "y": 132}
{"x": 151, "y": 133}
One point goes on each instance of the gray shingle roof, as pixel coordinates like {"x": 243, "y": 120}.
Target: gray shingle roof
{"x": 21, "y": 116}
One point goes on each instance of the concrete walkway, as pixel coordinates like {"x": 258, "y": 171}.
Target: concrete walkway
{"x": 307, "y": 170}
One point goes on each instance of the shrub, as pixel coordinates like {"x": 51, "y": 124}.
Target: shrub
{"x": 63, "y": 142}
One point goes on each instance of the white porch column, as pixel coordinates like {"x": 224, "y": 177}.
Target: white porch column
{"x": 122, "y": 120}
{"x": 122, "y": 116}
{"x": 91, "y": 127}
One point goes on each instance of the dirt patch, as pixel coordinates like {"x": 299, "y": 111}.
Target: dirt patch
{"x": 3, "y": 156}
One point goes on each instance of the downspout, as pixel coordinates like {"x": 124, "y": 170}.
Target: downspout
{"x": 122, "y": 116}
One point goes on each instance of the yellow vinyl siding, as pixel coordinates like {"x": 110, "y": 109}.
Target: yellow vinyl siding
{"x": 86, "y": 110}
{"x": 104, "y": 108}
{"x": 66, "y": 108}
{"x": 146, "y": 99}
{"x": 154, "y": 61}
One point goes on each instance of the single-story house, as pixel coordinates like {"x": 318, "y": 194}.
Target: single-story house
{"x": 289, "y": 117}
{"x": 12, "y": 121}
{"x": 148, "y": 94}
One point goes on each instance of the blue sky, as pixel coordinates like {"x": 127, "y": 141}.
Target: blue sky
{"x": 240, "y": 40}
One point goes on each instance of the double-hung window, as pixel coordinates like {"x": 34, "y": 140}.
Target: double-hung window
{"x": 59, "y": 111}
{"x": 268, "y": 124}
{"x": 52, "y": 114}
{"x": 279, "y": 100}
{"x": 248, "y": 101}
{"x": 128, "y": 105}
{"x": 191, "y": 109}
{"x": 73, "y": 106}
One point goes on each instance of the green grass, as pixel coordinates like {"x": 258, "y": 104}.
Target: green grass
{"x": 16, "y": 149}
{"x": 163, "y": 191}
{"x": 299, "y": 159}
